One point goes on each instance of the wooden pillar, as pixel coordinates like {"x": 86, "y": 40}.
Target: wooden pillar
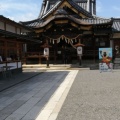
{"x": 47, "y": 62}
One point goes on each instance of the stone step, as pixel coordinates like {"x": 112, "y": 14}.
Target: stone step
{"x": 116, "y": 62}
{"x": 44, "y": 65}
{"x": 118, "y": 59}
{"x": 117, "y": 67}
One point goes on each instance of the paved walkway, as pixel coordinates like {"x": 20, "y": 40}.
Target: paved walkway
{"x": 36, "y": 98}
{"x": 64, "y": 95}
{"x": 9, "y": 81}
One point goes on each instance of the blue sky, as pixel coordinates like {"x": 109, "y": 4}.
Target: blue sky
{"x": 25, "y": 10}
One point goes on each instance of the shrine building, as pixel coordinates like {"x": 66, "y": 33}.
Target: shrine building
{"x": 61, "y": 24}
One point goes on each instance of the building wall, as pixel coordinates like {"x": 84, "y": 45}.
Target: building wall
{"x": 10, "y": 28}
{"x": 24, "y": 31}
{"x": 18, "y": 30}
{"x": 2, "y": 25}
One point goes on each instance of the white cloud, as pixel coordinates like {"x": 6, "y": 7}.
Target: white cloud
{"x": 19, "y": 11}
{"x": 18, "y": 6}
{"x": 24, "y": 17}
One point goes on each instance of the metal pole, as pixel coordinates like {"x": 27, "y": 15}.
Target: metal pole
{"x": 80, "y": 60}
{"x": 47, "y": 62}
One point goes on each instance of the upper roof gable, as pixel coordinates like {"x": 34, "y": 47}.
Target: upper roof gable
{"x": 70, "y": 4}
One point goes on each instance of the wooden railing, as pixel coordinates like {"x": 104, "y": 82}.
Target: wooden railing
{"x": 15, "y": 64}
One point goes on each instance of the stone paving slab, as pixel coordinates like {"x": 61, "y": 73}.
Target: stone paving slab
{"x": 16, "y": 79}
{"x": 27, "y": 100}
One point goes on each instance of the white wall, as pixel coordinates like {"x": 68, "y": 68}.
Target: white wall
{"x": 24, "y": 30}
{"x": 10, "y": 28}
{"x": 2, "y": 25}
{"x": 12, "y": 64}
{"x": 18, "y": 30}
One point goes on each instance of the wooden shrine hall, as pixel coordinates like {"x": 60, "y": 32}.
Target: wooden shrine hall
{"x": 12, "y": 45}
{"x": 63, "y": 23}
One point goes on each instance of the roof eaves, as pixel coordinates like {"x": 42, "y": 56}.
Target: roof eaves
{"x": 18, "y": 36}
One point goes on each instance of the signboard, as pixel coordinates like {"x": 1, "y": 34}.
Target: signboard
{"x": 105, "y": 59}
{"x": 79, "y": 50}
{"x": 46, "y": 51}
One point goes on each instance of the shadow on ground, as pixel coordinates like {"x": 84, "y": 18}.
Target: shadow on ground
{"x": 29, "y": 96}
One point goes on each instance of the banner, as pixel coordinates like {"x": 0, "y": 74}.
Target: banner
{"x": 105, "y": 59}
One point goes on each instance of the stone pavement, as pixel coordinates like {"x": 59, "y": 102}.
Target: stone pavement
{"x": 64, "y": 95}
{"x": 9, "y": 81}
{"x": 39, "y": 98}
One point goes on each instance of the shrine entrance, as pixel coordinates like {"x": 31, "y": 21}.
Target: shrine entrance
{"x": 66, "y": 52}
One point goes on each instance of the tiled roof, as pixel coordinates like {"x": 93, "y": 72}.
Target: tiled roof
{"x": 32, "y": 23}
{"x": 96, "y": 20}
{"x": 22, "y": 37}
{"x": 51, "y": 10}
{"x": 116, "y": 24}
{"x": 93, "y": 20}
{"x": 79, "y": 8}
{"x": 83, "y": 5}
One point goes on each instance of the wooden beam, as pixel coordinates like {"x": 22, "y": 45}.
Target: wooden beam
{"x": 48, "y": 26}
{"x": 39, "y": 30}
{"x": 74, "y": 25}
{"x": 86, "y": 27}
{"x": 61, "y": 21}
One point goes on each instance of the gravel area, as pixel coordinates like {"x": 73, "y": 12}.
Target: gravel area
{"x": 93, "y": 96}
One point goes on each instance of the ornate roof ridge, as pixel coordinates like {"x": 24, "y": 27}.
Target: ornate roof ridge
{"x": 72, "y": 3}
{"x": 98, "y": 17}
{"x": 79, "y": 8}
{"x": 50, "y": 10}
